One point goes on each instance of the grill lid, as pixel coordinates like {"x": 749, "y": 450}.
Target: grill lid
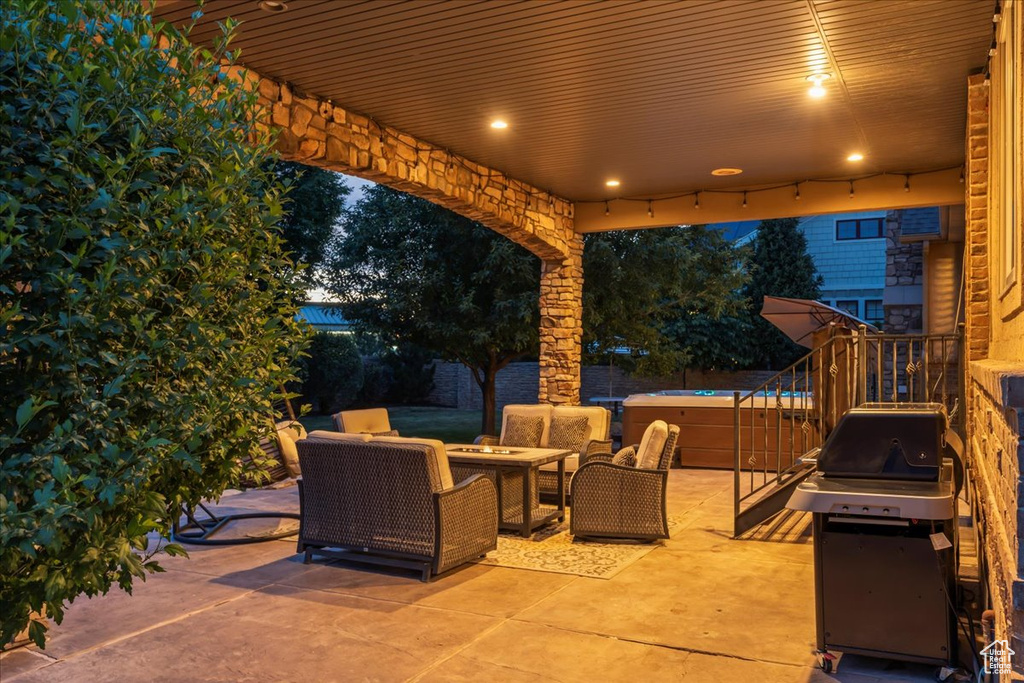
{"x": 887, "y": 441}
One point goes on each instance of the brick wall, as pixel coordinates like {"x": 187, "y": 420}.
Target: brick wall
{"x": 995, "y": 400}
{"x": 517, "y": 383}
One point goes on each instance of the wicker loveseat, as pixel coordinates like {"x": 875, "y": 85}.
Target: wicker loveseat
{"x": 391, "y": 501}
{"x": 556, "y": 431}
{"x": 624, "y": 496}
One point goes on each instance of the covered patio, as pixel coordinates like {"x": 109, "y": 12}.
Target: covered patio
{"x": 546, "y": 121}
{"x": 702, "y": 606}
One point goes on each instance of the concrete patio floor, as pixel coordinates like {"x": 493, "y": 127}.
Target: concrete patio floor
{"x": 702, "y": 607}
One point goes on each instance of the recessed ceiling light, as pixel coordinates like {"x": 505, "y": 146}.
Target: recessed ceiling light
{"x": 727, "y": 171}
{"x": 498, "y": 123}
{"x": 612, "y": 183}
{"x": 856, "y": 156}
{"x": 817, "y": 90}
{"x": 272, "y": 5}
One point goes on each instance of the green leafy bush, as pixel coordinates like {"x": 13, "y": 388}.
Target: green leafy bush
{"x": 146, "y": 321}
{"x": 333, "y": 372}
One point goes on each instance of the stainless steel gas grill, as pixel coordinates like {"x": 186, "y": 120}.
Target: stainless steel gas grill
{"x": 885, "y": 489}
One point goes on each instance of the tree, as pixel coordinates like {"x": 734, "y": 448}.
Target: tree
{"x": 779, "y": 266}
{"x": 642, "y": 287}
{"x": 412, "y": 272}
{"x": 333, "y": 372}
{"x": 145, "y": 304}
{"x": 314, "y": 206}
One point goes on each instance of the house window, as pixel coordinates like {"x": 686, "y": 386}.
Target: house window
{"x": 873, "y": 311}
{"x": 851, "y": 306}
{"x": 859, "y": 229}
{"x": 1005, "y": 174}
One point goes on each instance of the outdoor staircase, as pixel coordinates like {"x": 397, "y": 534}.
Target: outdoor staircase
{"x": 780, "y": 426}
{"x": 772, "y": 500}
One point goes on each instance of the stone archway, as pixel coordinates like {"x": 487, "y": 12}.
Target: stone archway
{"x": 320, "y": 133}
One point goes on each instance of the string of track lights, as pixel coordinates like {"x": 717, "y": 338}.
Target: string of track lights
{"x": 744, "y": 195}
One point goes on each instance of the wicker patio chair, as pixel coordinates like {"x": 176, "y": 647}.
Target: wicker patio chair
{"x": 392, "y": 502}
{"x": 625, "y": 501}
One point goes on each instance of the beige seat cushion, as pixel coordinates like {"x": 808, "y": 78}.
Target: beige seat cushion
{"x": 542, "y": 410}
{"x": 651, "y": 445}
{"x": 288, "y": 433}
{"x": 599, "y": 419}
{"x": 370, "y": 420}
{"x": 440, "y": 456}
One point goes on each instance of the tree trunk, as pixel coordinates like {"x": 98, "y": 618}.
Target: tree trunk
{"x": 487, "y": 391}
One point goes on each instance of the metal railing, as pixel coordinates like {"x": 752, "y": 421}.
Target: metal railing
{"x": 787, "y": 418}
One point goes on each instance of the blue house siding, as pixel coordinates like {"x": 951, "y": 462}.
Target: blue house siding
{"x": 852, "y": 270}
{"x": 847, "y": 266}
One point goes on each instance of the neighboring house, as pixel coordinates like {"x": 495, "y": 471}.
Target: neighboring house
{"x": 324, "y": 317}
{"x": 849, "y": 251}
{"x": 899, "y": 270}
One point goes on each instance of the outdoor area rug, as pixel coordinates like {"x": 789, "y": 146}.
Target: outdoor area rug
{"x": 552, "y": 549}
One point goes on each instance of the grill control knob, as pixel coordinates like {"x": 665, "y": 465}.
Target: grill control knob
{"x": 846, "y": 508}
{"x": 867, "y": 509}
{"x": 885, "y": 511}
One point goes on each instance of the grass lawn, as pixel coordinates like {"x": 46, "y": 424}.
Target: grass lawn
{"x": 449, "y": 425}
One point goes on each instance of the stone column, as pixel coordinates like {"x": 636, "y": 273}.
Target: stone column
{"x": 561, "y": 326}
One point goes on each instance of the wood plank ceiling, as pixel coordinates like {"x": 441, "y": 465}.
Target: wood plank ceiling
{"x": 655, "y": 94}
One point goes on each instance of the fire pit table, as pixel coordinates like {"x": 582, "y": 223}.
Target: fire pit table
{"x": 526, "y": 462}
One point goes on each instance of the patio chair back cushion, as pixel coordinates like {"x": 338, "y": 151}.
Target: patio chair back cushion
{"x": 324, "y": 435}
{"x": 510, "y": 438}
{"x": 648, "y": 455}
{"x": 568, "y": 432}
{"x": 371, "y": 495}
{"x": 288, "y": 432}
{"x": 435, "y": 457}
{"x": 599, "y": 422}
{"x": 369, "y": 421}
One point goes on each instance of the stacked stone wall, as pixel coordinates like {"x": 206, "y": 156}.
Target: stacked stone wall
{"x": 904, "y": 267}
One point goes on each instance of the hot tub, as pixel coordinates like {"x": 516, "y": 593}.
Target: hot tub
{"x": 705, "y": 420}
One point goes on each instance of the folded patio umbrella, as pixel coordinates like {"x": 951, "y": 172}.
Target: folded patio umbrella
{"x": 800, "y": 318}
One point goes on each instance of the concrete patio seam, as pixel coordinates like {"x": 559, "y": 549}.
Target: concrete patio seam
{"x": 133, "y": 634}
{"x": 486, "y": 632}
{"x": 677, "y": 648}
{"x": 444, "y": 658}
